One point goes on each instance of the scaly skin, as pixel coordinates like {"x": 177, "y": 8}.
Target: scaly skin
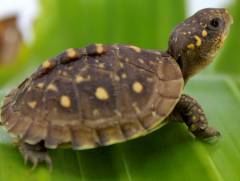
{"x": 190, "y": 112}
{"x": 194, "y": 43}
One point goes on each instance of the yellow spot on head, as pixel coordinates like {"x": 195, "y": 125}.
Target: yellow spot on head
{"x": 191, "y": 46}
{"x": 47, "y": 64}
{"x": 136, "y": 49}
{"x": 52, "y": 87}
{"x": 198, "y": 41}
{"x": 101, "y": 93}
{"x": 65, "y": 101}
{"x": 79, "y": 78}
{"x": 137, "y": 87}
{"x": 32, "y": 104}
{"x": 99, "y": 48}
{"x": 71, "y": 53}
{"x": 204, "y": 33}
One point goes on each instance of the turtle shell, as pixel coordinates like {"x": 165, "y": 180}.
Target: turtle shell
{"x": 94, "y": 96}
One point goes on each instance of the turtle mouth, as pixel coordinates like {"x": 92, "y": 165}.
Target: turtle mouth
{"x": 228, "y": 19}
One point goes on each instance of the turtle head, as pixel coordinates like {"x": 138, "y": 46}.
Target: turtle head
{"x": 195, "y": 42}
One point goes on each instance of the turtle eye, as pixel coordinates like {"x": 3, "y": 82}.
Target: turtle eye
{"x": 214, "y": 24}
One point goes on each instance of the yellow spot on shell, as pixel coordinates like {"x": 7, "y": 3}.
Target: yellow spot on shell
{"x": 52, "y": 87}
{"x": 101, "y": 65}
{"x": 96, "y": 112}
{"x": 47, "y": 64}
{"x": 154, "y": 114}
{"x": 121, "y": 65}
{"x": 191, "y": 46}
{"x": 117, "y": 78}
{"x": 198, "y": 41}
{"x": 40, "y": 85}
{"x": 204, "y": 33}
{"x": 99, "y": 48}
{"x": 79, "y": 78}
{"x": 124, "y": 76}
{"x": 141, "y": 61}
{"x": 136, "y": 49}
{"x": 71, "y": 53}
{"x": 32, "y": 104}
{"x": 101, "y": 93}
{"x": 149, "y": 79}
{"x": 137, "y": 87}
{"x": 64, "y": 73}
{"x": 118, "y": 113}
{"x": 65, "y": 101}
{"x": 136, "y": 108}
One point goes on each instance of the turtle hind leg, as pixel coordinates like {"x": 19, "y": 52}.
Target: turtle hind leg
{"x": 192, "y": 114}
{"x": 35, "y": 154}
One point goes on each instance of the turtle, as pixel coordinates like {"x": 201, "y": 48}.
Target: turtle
{"x": 103, "y": 94}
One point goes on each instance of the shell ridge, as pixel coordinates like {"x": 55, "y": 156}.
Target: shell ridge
{"x": 49, "y": 141}
{"x": 77, "y": 95}
{"x": 123, "y": 123}
{"x": 24, "y": 136}
{"x": 20, "y": 127}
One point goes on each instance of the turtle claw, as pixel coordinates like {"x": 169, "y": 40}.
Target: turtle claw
{"x": 209, "y": 135}
{"x": 35, "y": 154}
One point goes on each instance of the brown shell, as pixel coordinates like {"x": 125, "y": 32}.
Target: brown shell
{"x": 94, "y": 96}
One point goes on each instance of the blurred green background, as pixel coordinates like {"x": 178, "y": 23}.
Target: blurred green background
{"x": 170, "y": 153}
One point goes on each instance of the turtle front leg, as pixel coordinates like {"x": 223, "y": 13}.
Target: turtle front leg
{"x": 35, "y": 154}
{"x": 189, "y": 111}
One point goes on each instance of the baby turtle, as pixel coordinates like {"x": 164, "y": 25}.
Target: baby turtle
{"x": 106, "y": 94}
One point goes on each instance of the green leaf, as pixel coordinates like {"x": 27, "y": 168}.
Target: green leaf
{"x": 168, "y": 154}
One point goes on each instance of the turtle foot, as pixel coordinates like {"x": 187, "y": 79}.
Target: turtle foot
{"x": 208, "y": 135}
{"x": 35, "y": 154}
